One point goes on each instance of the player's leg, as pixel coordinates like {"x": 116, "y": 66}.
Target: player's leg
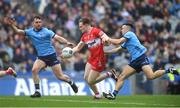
{"x": 37, "y": 66}
{"x": 9, "y": 71}
{"x": 61, "y": 76}
{"x": 87, "y": 72}
{"x": 127, "y": 71}
{"x": 112, "y": 73}
{"x": 152, "y": 75}
{"x": 93, "y": 75}
{"x": 103, "y": 76}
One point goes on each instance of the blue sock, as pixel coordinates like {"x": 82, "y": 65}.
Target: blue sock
{"x": 115, "y": 92}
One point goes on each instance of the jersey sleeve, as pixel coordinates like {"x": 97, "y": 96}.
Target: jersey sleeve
{"x": 127, "y": 35}
{"x": 98, "y": 32}
{"x": 27, "y": 32}
{"x": 51, "y": 33}
{"x": 123, "y": 45}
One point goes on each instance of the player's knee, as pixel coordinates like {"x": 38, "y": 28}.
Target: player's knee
{"x": 59, "y": 76}
{"x": 35, "y": 70}
{"x": 90, "y": 82}
{"x": 86, "y": 78}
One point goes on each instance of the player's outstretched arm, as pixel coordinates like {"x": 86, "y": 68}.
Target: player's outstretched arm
{"x": 114, "y": 50}
{"x": 11, "y": 22}
{"x": 117, "y": 41}
{"x": 63, "y": 40}
{"x": 78, "y": 47}
{"x": 104, "y": 37}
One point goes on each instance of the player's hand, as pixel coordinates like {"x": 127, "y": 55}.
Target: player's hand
{"x": 9, "y": 21}
{"x": 105, "y": 39}
{"x": 71, "y": 45}
{"x": 107, "y": 43}
{"x": 62, "y": 57}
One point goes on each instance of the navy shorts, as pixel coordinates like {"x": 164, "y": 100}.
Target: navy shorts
{"x": 50, "y": 60}
{"x": 139, "y": 62}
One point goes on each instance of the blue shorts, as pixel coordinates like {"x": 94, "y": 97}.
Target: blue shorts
{"x": 139, "y": 62}
{"x": 50, "y": 60}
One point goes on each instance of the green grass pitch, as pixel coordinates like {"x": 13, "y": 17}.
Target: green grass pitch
{"x": 138, "y": 101}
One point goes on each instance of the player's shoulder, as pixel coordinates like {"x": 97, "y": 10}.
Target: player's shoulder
{"x": 45, "y": 29}
{"x": 29, "y": 30}
{"x": 130, "y": 33}
{"x": 95, "y": 29}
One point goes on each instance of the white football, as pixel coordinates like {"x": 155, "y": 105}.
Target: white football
{"x": 67, "y": 52}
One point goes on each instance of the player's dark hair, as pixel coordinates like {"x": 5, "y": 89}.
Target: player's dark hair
{"x": 130, "y": 25}
{"x": 85, "y": 20}
{"x": 37, "y": 17}
{"x": 132, "y": 28}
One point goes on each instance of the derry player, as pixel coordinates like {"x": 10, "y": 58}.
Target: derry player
{"x": 97, "y": 60}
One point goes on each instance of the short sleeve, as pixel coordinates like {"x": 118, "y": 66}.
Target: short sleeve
{"x": 51, "y": 33}
{"x": 27, "y": 32}
{"x": 127, "y": 35}
{"x": 97, "y": 32}
{"x": 123, "y": 45}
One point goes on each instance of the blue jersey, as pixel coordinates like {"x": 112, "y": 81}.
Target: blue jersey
{"x": 41, "y": 40}
{"x": 134, "y": 47}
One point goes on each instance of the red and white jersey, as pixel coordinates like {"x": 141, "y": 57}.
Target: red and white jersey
{"x": 95, "y": 46}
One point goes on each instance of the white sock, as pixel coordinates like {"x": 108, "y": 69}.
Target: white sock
{"x": 38, "y": 90}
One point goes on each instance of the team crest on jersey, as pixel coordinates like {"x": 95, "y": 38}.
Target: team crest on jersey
{"x": 93, "y": 42}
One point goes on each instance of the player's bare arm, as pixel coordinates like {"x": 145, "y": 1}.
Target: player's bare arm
{"x": 11, "y": 22}
{"x": 103, "y": 36}
{"x": 79, "y": 46}
{"x": 114, "y": 50}
{"x": 63, "y": 40}
{"x": 117, "y": 41}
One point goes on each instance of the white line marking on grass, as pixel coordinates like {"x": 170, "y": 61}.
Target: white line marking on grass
{"x": 91, "y": 102}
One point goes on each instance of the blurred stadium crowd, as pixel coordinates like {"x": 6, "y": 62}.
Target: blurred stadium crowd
{"x": 156, "y": 23}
